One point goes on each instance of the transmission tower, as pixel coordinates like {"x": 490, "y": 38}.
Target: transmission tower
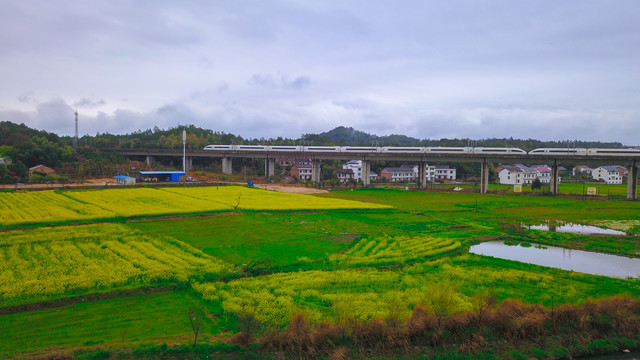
{"x": 75, "y": 139}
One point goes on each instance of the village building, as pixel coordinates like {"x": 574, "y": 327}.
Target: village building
{"x": 301, "y": 171}
{"x": 344, "y": 175}
{"x": 609, "y": 174}
{"x": 581, "y": 169}
{"x": 400, "y": 174}
{"x": 515, "y": 175}
{"x": 356, "y": 167}
{"x": 41, "y": 169}
{"x": 442, "y": 172}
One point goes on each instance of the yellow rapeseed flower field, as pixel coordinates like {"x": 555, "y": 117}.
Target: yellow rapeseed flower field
{"x": 337, "y": 295}
{"x": 257, "y": 199}
{"x": 77, "y": 205}
{"x": 364, "y": 293}
{"x": 44, "y": 206}
{"x": 52, "y": 261}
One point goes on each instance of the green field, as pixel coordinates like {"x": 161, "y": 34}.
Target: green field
{"x": 120, "y": 323}
{"x": 602, "y": 189}
{"x": 343, "y": 257}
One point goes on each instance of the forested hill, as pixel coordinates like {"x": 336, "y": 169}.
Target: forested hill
{"x": 22, "y": 147}
{"x": 349, "y": 136}
{"x": 20, "y": 135}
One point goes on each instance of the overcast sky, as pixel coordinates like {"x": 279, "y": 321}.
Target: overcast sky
{"x": 549, "y": 70}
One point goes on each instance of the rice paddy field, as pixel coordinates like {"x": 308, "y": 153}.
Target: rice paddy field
{"x": 117, "y": 272}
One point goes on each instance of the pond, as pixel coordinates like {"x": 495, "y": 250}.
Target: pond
{"x": 575, "y": 228}
{"x": 561, "y": 258}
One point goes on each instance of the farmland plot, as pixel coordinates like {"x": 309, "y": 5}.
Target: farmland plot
{"x": 54, "y": 261}
{"x": 256, "y": 199}
{"x": 43, "y": 206}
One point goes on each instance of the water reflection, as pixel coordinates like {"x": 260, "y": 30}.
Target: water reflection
{"x": 575, "y": 228}
{"x": 561, "y": 258}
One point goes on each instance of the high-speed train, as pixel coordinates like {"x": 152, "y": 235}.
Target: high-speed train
{"x": 429, "y": 150}
{"x": 367, "y": 149}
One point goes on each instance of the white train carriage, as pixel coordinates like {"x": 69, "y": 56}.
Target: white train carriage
{"x": 251, "y": 147}
{"x": 558, "y": 151}
{"x": 277, "y": 148}
{"x": 403, "y": 150}
{"x": 359, "y": 149}
{"x": 321, "y": 148}
{"x": 614, "y": 152}
{"x": 219, "y": 147}
{"x": 448, "y": 150}
{"x": 497, "y": 151}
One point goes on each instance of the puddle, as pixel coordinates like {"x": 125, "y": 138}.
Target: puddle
{"x": 575, "y": 229}
{"x": 574, "y": 260}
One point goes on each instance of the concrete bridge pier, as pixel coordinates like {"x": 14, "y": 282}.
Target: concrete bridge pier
{"x": 226, "y": 166}
{"x": 484, "y": 177}
{"x": 150, "y": 160}
{"x": 366, "y": 172}
{"x": 188, "y": 165}
{"x": 269, "y": 167}
{"x": 553, "y": 181}
{"x": 632, "y": 182}
{"x": 422, "y": 175}
{"x": 315, "y": 170}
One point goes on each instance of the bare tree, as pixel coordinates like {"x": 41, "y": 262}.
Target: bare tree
{"x": 195, "y": 318}
{"x": 235, "y": 208}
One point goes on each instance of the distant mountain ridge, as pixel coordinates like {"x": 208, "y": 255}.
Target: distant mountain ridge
{"x": 351, "y": 137}
{"x": 13, "y": 134}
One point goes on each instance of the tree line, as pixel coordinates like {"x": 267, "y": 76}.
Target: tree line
{"x": 22, "y": 147}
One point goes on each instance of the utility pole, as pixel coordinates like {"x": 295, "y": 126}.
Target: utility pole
{"x": 184, "y": 150}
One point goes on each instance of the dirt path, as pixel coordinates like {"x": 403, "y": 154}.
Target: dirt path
{"x": 291, "y": 189}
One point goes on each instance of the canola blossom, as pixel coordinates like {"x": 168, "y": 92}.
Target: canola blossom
{"x": 145, "y": 201}
{"x": 53, "y": 261}
{"x": 45, "y": 207}
{"x": 359, "y": 294}
{"x": 257, "y": 199}
{"x": 394, "y": 250}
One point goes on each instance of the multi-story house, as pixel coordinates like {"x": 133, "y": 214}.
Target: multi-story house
{"x": 301, "y": 171}
{"x": 515, "y": 175}
{"x": 610, "y": 174}
{"x": 344, "y": 175}
{"x": 443, "y": 172}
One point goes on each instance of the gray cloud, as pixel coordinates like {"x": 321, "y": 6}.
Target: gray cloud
{"x": 88, "y": 103}
{"x": 28, "y": 97}
{"x": 545, "y": 69}
{"x": 298, "y": 83}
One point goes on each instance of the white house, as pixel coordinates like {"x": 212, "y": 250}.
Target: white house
{"x": 443, "y": 172}
{"x": 430, "y": 172}
{"x": 544, "y": 173}
{"x": 610, "y": 174}
{"x": 344, "y": 175}
{"x": 356, "y": 167}
{"x": 582, "y": 169}
{"x": 301, "y": 171}
{"x": 514, "y": 175}
{"x": 400, "y": 174}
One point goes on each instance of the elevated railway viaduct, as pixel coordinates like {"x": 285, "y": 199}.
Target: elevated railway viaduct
{"x": 553, "y": 160}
